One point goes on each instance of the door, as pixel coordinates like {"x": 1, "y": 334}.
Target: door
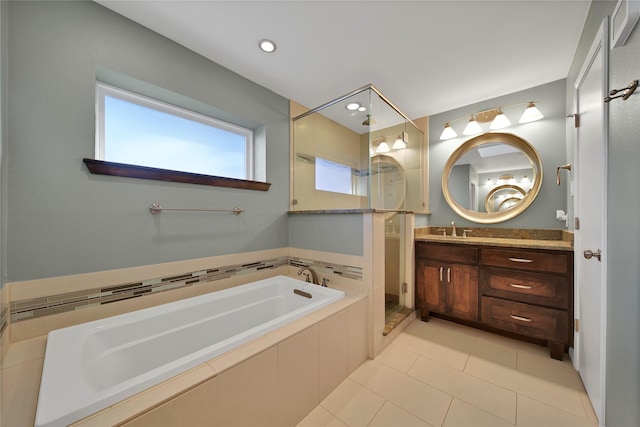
{"x": 462, "y": 291}
{"x": 590, "y": 210}
{"x": 431, "y": 285}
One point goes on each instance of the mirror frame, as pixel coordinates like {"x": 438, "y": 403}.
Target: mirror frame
{"x": 502, "y": 187}
{"x": 485, "y": 138}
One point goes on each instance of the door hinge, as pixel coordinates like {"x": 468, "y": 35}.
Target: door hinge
{"x": 576, "y": 119}
{"x": 404, "y": 288}
{"x": 576, "y": 326}
{"x": 576, "y": 223}
{"x": 294, "y": 202}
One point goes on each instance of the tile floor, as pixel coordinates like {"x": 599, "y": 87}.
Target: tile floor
{"x": 443, "y": 374}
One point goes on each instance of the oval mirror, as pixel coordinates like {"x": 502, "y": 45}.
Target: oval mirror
{"x": 492, "y": 177}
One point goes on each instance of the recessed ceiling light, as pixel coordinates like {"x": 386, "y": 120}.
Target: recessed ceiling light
{"x": 353, "y": 106}
{"x": 362, "y": 109}
{"x": 267, "y": 45}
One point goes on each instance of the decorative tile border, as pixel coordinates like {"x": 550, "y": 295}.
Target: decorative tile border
{"x": 70, "y": 301}
{"x": 346, "y": 271}
{"x": 60, "y": 303}
{"x": 3, "y": 319}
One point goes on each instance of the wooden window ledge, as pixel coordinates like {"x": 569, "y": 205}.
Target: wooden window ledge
{"x": 102, "y": 167}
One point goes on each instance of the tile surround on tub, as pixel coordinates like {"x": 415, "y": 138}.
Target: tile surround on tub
{"x": 39, "y": 307}
{"x": 71, "y": 301}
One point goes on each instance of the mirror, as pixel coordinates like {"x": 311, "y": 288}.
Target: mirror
{"x": 503, "y": 197}
{"x": 388, "y": 188}
{"x": 492, "y": 178}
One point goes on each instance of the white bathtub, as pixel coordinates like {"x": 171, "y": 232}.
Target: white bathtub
{"x": 91, "y": 366}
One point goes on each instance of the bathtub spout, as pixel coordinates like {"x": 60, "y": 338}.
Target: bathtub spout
{"x": 314, "y": 275}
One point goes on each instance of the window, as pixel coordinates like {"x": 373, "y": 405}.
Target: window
{"x": 332, "y": 176}
{"x": 137, "y": 130}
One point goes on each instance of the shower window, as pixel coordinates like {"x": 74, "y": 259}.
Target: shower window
{"x": 142, "y": 131}
{"x": 332, "y": 176}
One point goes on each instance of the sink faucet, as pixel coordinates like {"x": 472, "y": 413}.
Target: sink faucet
{"x": 314, "y": 275}
{"x": 453, "y": 229}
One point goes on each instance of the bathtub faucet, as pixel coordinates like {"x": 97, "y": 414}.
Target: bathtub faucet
{"x": 313, "y": 274}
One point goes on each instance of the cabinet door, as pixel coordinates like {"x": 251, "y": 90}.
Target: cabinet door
{"x": 462, "y": 291}
{"x": 430, "y": 287}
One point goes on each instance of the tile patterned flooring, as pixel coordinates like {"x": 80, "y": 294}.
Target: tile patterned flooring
{"x": 438, "y": 373}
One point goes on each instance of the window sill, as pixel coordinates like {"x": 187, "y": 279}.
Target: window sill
{"x": 102, "y": 167}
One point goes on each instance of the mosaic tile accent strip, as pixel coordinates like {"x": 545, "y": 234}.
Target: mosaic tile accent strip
{"x": 54, "y": 304}
{"x": 345, "y": 271}
{"x": 3, "y": 319}
{"x": 70, "y": 301}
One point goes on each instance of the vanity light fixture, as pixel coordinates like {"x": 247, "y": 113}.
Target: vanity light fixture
{"x": 472, "y": 127}
{"x": 500, "y": 121}
{"x": 496, "y": 116}
{"x": 401, "y": 141}
{"x": 380, "y": 144}
{"x": 531, "y": 114}
{"x": 383, "y": 147}
{"x": 448, "y": 132}
{"x": 268, "y": 46}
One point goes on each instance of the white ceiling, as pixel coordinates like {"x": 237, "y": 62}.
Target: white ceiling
{"x": 425, "y": 56}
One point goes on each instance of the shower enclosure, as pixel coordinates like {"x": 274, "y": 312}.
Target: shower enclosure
{"x": 360, "y": 152}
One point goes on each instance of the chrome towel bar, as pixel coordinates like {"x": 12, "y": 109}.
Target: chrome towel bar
{"x": 155, "y": 208}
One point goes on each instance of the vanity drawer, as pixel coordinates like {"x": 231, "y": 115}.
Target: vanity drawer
{"x": 523, "y": 286}
{"x": 551, "y": 262}
{"x": 533, "y": 321}
{"x": 447, "y": 252}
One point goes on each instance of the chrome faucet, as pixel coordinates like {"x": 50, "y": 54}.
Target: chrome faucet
{"x": 453, "y": 231}
{"x": 314, "y": 275}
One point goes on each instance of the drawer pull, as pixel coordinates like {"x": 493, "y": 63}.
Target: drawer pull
{"x": 520, "y": 260}
{"x": 524, "y": 319}
{"x": 513, "y": 285}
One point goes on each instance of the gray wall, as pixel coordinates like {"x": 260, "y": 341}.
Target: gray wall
{"x": 338, "y": 233}
{"x": 546, "y": 135}
{"x": 63, "y": 220}
{"x": 3, "y": 139}
{"x": 623, "y": 275}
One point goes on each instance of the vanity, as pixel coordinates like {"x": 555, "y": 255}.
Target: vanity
{"x": 516, "y": 282}
{"x": 522, "y": 288}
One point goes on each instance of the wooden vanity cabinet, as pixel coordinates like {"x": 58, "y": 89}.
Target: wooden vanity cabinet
{"x": 523, "y": 292}
{"x": 529, "y": 292}
{"x": 447, "y": 280}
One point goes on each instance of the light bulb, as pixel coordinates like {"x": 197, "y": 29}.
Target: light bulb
{"x": 383, "y": 148}
{"x": 531, "y": 114}
{"x": 448, "y": 132}
{"x": 472, "y": 127}
{"x": 399, "y": 144}
{"x": 500, "y": 121}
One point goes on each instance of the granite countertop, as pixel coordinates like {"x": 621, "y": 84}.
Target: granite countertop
{"x": 346, "y": 211}
{"x": 502, "y": 237}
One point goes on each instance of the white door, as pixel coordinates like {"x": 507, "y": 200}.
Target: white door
{"x": 590, "y": 209}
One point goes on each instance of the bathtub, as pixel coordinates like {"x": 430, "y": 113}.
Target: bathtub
{"x": 91, "y": 366}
